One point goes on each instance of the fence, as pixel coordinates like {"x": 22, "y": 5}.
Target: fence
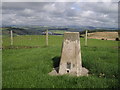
{"x": 31, "y": 40}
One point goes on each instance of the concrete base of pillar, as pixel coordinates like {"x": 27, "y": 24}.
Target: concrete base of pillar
{"x": 84, "y": 72}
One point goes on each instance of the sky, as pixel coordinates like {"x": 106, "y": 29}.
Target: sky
{"x": 97, "y": 14}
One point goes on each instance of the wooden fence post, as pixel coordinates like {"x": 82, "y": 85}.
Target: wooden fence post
{"x": 11, "y": 32}
{"x": 46, "y": 37}
{"x": 86, "y": 38}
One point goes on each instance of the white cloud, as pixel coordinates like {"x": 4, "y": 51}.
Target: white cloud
{"x": 87, "y": 13}
{"x": 49, "y": 8}
{"x": 61, "y": 13}
{"x": 28, "y": 11}
{"x": 60, "y": 0}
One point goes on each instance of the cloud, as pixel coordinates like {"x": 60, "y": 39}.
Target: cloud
{"x": 99, "y": 14}
{"x": 60, "y": 0}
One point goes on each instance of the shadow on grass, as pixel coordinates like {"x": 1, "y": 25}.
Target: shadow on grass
{"x": 56, "y": 61}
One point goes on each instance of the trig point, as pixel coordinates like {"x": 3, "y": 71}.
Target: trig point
{"x": 71, "y": 62}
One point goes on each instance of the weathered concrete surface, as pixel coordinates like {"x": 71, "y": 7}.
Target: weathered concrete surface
{"x": 71, "y": 62}
{"x": 54, "y": 71}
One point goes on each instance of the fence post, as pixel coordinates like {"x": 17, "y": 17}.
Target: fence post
{"x": 46, "y": 37}
{"x": 11, "y": 32}
{"x": 86, "y": 38}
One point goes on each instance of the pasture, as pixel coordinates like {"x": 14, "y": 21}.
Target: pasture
{"x": 29, "y": 67}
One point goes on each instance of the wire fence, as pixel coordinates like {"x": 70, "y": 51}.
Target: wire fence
{"x": 33, "y": 40}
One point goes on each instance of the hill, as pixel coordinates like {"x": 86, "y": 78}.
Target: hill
{"x": 40, "y": 30}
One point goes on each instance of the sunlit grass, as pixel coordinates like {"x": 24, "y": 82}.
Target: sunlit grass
{"x": 29, "y": 68}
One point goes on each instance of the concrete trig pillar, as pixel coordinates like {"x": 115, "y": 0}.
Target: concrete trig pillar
{"x": 71, "y": 62}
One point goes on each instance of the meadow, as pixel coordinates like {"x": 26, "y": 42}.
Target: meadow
{"x": 29, "y": 67}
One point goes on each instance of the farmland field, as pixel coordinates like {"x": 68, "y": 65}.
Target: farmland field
{"x": 29, "y": 67}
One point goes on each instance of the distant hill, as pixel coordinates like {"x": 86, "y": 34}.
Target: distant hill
{"x": 19, "y": 31}
{"x": 29, "y": 31}
{"x": 40, "y": 30}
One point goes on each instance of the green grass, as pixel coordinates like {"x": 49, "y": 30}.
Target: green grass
{"x": 29, "y": 68}
{"x": 32, "y": 40}
{"x": 58, "y": 31}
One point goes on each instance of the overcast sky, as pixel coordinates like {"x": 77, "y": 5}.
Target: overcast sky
{"x": 100, "y": 14}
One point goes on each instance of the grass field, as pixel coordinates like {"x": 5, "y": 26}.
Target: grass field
{"x": 29, "y": 67}
{"x": 58, "y": 31}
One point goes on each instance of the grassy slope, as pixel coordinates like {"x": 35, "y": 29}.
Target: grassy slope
{"x": 29, "y": 68}
{"x": 58, "y": 31}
